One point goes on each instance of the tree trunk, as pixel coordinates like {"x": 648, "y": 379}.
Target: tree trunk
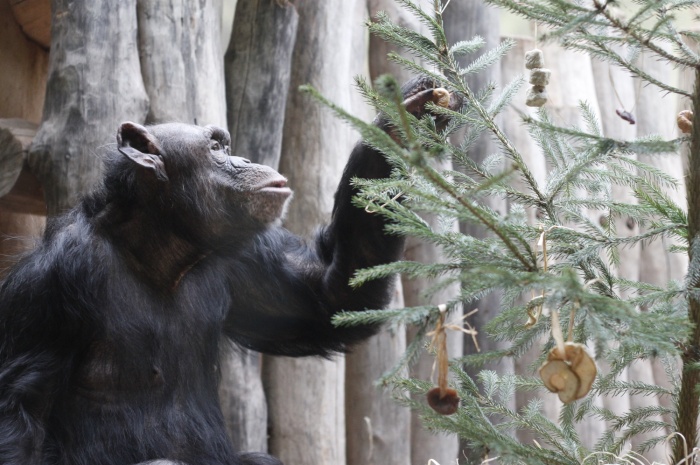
{"x": 94, "y": 84}
{"x": 656, "y": 115}
{"x": 306, "y": 396}
{"x": 378, "y": 428}
{"x": 258, "y": 66}
{"x": 180, "y": 50}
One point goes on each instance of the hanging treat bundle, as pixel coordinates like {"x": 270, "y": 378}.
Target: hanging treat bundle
{"x": 685, "y": 121}
{"x": 443, "y": 399}
{"x": 539, "y": 78}
{"x": 569, "y": 372}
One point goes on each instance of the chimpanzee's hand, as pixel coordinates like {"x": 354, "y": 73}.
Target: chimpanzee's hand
{"x": 421, "y": 90}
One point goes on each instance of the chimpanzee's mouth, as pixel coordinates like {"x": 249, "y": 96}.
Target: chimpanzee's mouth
{"x": 275, "y": 186}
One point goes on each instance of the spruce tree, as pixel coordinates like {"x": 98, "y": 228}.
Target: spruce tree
{"x": 565, "y": 260}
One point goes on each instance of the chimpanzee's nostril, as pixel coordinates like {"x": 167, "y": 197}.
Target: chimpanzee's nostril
{"x": 240, "y": 162}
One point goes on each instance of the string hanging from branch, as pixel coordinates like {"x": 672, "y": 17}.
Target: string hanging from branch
{"x": 442, "y": 398}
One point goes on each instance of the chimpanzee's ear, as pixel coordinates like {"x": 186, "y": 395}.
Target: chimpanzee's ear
{"x": 140, "y": 146}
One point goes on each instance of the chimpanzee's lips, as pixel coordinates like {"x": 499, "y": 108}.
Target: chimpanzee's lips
{"x": 275, "y": 186}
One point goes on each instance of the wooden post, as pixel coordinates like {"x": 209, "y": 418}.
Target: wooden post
{"x": 464, "y": 20}
{"x": 94, "y": 84}
{"x": 258, "y": 67}
{"x": 180, "y": 50}
{"x": 306, "y": 396}
{"x": 378, "y": 428}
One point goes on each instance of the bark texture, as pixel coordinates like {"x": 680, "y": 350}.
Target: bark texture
{"x": 306, "y": 396}
{"x": 180, "y": 52}
{"x": 258, "y": 66}
{"x": 94, "y": 84}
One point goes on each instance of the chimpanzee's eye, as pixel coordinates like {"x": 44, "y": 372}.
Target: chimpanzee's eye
{"x": 215, "y": 146}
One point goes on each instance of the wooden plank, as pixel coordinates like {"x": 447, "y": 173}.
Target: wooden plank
{"x": 34, "y": 17}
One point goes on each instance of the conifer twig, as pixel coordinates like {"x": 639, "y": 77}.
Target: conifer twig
{"x": 602, "y": 9}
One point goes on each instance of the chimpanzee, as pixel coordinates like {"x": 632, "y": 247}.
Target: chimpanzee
{"x": 110, "y": 330}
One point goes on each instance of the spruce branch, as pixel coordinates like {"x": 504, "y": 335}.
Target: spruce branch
{"x": 647, "y": 42}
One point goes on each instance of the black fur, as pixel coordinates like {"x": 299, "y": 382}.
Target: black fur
{"x": 110, "y": 330}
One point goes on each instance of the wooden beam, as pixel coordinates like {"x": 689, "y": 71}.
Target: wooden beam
{"x": 34, "y": 17}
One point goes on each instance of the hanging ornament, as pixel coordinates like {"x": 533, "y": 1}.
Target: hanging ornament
{"x": 539, "y": 78}
{"x": 534, "y": 59}
{"x": 626, "y": 115}
{"x": 536, "y": 96}
{"x": 622, "y": 112}
{"x": 443, "y": 399}
{"x": 685, "y": 121}
{"x": 569, "y": 370}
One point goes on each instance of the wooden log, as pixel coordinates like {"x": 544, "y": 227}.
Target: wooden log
{"x": 426, "y": 445}
{"x": 34, "y": 17}
{"x": 243, "y": 399}
{"x": 257, "y": 67}
{"x": 378, "y": 428}
{"x": 94, "y": 84}
{"x": 464, "y": 20}
{"x": 180, "y": 50}
{"x": 306, "y": 396}
{"x": 179, "y": 45}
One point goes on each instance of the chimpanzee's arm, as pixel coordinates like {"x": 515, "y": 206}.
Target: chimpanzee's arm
{"x": 286, "y": 292}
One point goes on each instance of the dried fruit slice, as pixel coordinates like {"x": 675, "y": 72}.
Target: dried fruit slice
{"x": 558, "y": 377}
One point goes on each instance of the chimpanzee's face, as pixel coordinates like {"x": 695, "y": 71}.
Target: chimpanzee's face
{"x": 194, "y": 164}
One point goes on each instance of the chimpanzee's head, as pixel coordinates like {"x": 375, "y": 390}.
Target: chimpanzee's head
{"x": 188, "y": 173}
